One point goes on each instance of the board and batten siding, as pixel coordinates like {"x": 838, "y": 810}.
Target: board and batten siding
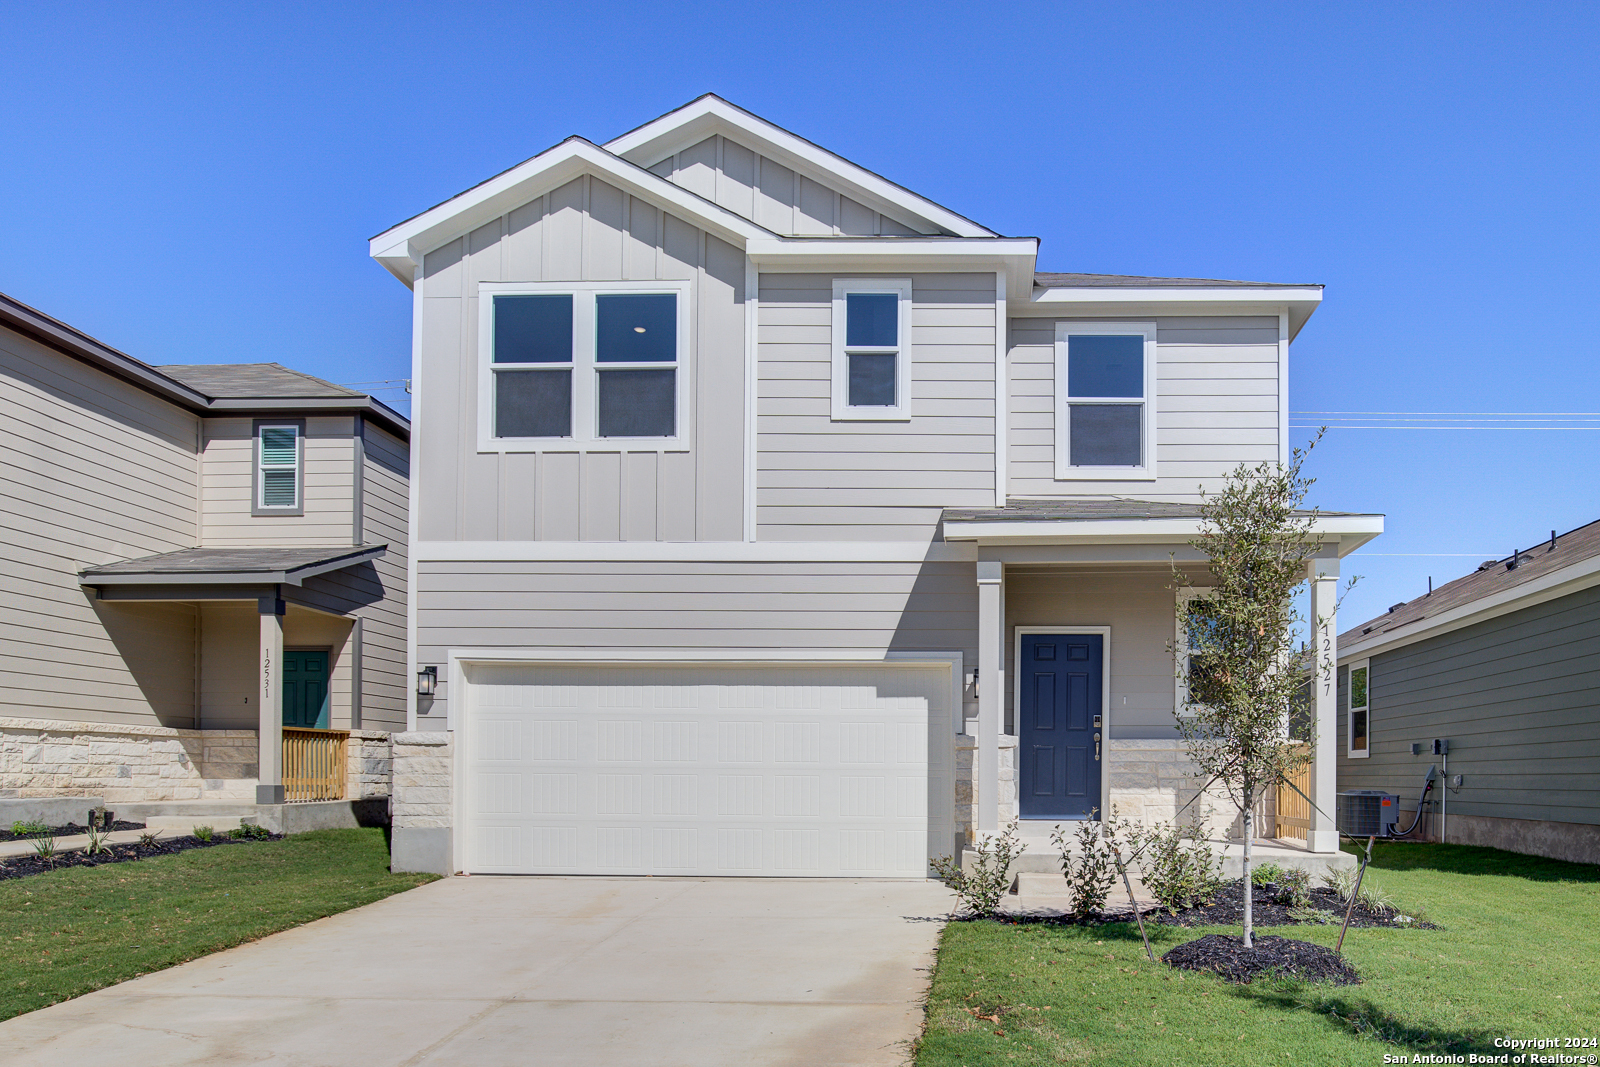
{"x": 685, "y": 607}
{"x": 93, "y": 470}
{"x": 820, "y": 480}
{"x": 1217, "y": 405}
{"x": 1518, "y": 696}
{"x": 586, "y": 230}
{"x": 227, "y": 474}
{"x": 772, "y": 195}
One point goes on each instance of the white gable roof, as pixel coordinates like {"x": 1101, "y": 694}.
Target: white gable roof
{"x": 710, "y": 114}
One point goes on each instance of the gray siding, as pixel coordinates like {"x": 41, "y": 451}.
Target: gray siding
{"x": 1519, "y": 698}
{"x": 386, "y": 497}
{"x": 820, "y": 480}
{"x": 1216, "y": 406}
{"x": 226, "y": 485}
{"x": 586, "y": 230}
{"x": 92, "y": 470}
{"x": 772, "y": 195}
{"x": 874, "y": 607}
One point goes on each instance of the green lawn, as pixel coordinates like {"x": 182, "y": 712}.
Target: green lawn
{"x": 1518, "y": 956}
{"x": 71, "y": 931}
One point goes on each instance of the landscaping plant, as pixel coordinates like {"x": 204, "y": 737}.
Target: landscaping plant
{"x": 980, "y": 891}
{"x": 1179, "y": 871}
{"x": 46, "y": 847}
{"x": 204, "y": 833}
{"x": 97, "y": 841}
{"x": 250, "y": 831}
{"x": 24, "y": 827}
{"x": 1237, "y": 662}
{"x": 1090, "y": 872}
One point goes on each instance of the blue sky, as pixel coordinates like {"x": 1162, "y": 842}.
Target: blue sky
{"x": 195, "y": 183}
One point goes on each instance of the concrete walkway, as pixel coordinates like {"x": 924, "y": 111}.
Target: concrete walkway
{"x": 550, "y": 971}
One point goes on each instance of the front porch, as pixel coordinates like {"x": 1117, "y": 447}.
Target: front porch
{"x": 1092, "y": 582}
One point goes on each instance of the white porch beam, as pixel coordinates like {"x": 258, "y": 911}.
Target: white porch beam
{"x": 991, "y": 695}
{"x": 269, "y": 732}
{"x": 1324, "y": 577}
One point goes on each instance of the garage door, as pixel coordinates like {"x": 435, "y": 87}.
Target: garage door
{"x": 806, "y": 772}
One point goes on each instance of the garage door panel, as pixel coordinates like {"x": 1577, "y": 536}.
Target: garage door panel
{"x": 737, "y": 771}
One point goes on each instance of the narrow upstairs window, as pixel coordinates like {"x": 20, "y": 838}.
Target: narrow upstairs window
{"x": 278, "y": 468}
{"x": 1360, "y": 707}
{"x": 871, "y": 349}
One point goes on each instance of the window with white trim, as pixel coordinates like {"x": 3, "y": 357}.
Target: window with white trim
{"x": 568, "y": 366}
{"x": 1191, "y": 674}
{"x": 872, "y": 348}
{"x": 279, "y": 470}
{"x": 1105, "y": 400}
{"x": 1358, "y": 716}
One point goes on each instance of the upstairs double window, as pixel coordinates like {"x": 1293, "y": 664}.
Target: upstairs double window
{"x": 582, "y": 365}
{"x": 1105, "y": 401}
{"x": 872, "y": 349}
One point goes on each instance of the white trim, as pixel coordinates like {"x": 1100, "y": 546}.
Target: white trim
{"x": 699, "y": 119}
{"x": 691, "y": 552}
{"x": 413, "y": 496}
{"x": 1581, "y": 575}
{"x": 297, "y": 466}
{"x": 1347, "y": 530}
{"x": 1002, "y": 394}
{"x": 1180, "y": 645}
{"x": 843, "y": 410}
{"x": 1232, "y": 294}
{"x": 1350, "y": 750}
{"x": 1065, "y": 470}
{"x": 585, "y": 368}
{"x": 752, "y": 371}
{"x": 1283, "y": 386}
{"x": 1105, "y": 705}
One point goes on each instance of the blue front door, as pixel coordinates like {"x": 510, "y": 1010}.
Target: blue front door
{"x": 305, "y": 689}
{"x": 1058, "y": 725}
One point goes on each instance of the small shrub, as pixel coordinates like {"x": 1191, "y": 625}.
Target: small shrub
{"x": 1265, "y": 874}
{"x": 28, "y": 827}
{"x": 1090, "y": 873}
{"x": 1180, "y": 872}
{"x": 45, "y": 847}
{"x": 97, "y": 842}
{"x": 147, "y": 839}
{"x": 250, "y": 832}
{"x": 980, "y": 891}
{"x": 1371, "y": 898}
{"x": 204, "y": 833}
{"x": 1295, "y": 883}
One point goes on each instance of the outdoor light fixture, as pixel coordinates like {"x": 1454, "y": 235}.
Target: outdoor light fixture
{"x": 427, "y": 681}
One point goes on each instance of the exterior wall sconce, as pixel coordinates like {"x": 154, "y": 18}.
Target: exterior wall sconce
{"x": 427, "y": 681}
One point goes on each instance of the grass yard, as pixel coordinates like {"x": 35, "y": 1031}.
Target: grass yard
{"x": 1518, "y": 956}
{"x": 68, "y": 932}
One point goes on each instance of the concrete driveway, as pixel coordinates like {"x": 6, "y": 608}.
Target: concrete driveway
{"x": 480, "y": 972}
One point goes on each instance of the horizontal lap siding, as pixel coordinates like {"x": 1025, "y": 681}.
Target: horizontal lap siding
{"x": 711, "y": 607}
{"x": 823, "y": 480}
{"x": 1519, "y": 699}
{"x": 94, "y": 470}
{"x": 386, "y": 485}
{"x": 1217, "y": 405}
{"x": 586, "y": 230}
{"x": 771, "y": 195}
{"x": 227, "y": 482}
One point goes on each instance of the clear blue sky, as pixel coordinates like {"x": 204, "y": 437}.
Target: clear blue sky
{"x": 196, "y": 183}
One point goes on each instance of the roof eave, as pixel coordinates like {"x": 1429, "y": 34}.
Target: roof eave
{"x": 1347, "y": 532}
{"x": 324, "y": 405}
{"x": 1300, "y": 301}
{"x": 282, "y": 576}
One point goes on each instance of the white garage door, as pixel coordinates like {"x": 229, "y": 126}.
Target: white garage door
{"x": 806, "y": 771}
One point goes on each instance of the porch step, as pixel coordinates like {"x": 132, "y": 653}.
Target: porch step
{"x": 183, "y": 825}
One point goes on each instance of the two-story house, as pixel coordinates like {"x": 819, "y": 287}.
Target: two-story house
{"x": 198, "y": 559}
{"x": 772, "y": 519}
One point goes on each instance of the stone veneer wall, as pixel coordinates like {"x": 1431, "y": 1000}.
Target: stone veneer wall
{"x": 1152, "y": 780}
{"x": 420, "y": 809}
{"x": 52, "y": 758}
{"x": 370, "y": 760}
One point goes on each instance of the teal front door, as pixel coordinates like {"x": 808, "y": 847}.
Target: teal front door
{"x": 305, "y": 689}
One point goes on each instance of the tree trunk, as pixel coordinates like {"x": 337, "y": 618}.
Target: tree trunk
{"x": 1249, "y": 897}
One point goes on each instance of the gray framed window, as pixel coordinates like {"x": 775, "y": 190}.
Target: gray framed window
{"x": 1359, "y": 709}
{"x": 1105, "y": 400}
{"x": 574, "y": 366}
{"x": 278, "y": 466}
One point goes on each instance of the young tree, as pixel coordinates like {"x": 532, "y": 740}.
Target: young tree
{"x": 1239, "y": 665}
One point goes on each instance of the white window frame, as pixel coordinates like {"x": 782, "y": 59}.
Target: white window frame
{"x": 1180, "y": 678}
{"x": 1065, "y": 471}
{"x": 258, "y": 506}
{"x": 1350, "y": 709}
{"x": 842, "y": 410}
{"x": 585, "y": 367}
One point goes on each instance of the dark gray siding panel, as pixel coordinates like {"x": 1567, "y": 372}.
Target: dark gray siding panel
{"x": 1519, "y": 699}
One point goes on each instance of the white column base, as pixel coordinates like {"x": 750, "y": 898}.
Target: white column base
{"x": 1323, "y": 840}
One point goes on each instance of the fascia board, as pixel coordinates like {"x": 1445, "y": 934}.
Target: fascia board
{"x": 286, "y": 576}
{"x": 1579, "y": 576}
{"x": 1015, "y": 256}
{"x": 1134, "y": 531}
{"x": 549, "y": 170}
{"x": 1301, "y": 301}
{"x": 392, "y": 419}
{"x": 694, "y": 122}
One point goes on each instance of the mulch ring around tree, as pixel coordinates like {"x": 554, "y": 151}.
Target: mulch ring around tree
{"x": 1270, "y": 957}
{"x": 69, "y": 830}
{"x": 25, "y": 866}
{"x": 1272, "y": 907}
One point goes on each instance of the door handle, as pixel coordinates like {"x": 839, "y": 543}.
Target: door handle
{"x": 1097, "y": 746}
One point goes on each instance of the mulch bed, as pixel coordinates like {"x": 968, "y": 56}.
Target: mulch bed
{"x": 25, "y": 866}
{"x": 1276, "y": 957}
{"x": 65, "y": 831}
{"x": 1272, "y": 908}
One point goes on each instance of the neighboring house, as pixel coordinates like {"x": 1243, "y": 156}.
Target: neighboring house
{"x": 743, "y": 477}
{"x": 1504, "y": 665}
{"x": 195, "y": 556}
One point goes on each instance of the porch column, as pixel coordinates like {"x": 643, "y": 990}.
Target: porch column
{"x": 991, "y": 696}
{"x": 1324, "y": 577}
{"x": 269, "y": 733}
